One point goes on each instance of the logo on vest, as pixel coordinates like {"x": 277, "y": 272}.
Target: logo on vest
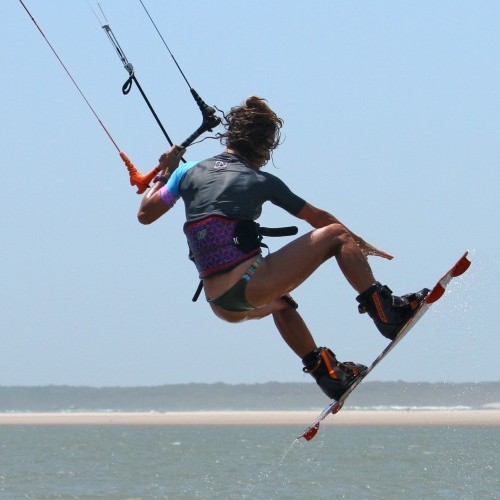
{"x": 201, "y": 234}
{"x": 218, "y": 165}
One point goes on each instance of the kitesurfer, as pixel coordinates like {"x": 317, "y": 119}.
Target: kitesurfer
{"x": 223, "y": 197}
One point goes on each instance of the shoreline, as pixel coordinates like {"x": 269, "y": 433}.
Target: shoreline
{"x": 300, "y": 418}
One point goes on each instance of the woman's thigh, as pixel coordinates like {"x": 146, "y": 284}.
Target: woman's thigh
{"x": 284, "y": 270}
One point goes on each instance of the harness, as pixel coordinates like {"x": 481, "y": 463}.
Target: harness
{"x": 218, "y": 244}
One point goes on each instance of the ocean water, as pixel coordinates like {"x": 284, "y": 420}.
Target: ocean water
{"x": 248, "y": 462}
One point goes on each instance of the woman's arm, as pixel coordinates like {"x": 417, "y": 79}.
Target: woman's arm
{"x": 320, "y": 218}
{"x": 317, "y": 217}
{"x": 152, "y": 206}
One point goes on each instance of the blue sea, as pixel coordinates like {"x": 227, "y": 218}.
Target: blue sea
{"x": 248, "y": 462}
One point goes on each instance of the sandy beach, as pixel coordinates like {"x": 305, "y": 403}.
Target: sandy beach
{"x": 300, "y": 418}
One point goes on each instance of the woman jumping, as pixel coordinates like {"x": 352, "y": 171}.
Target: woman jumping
{"x": 223, "y": 197}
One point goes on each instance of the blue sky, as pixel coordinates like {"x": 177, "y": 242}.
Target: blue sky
{"x": 391, "y": 116}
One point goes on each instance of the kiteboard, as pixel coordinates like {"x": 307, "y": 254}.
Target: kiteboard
{"x": 433, "y": 296}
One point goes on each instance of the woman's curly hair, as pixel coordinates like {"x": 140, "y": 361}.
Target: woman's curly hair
{"x": 253, "y": 130}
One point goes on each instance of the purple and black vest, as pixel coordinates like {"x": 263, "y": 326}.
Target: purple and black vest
{"x": 214, "y": 246}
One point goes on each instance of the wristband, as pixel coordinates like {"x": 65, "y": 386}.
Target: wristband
{"x": 161, "y": 178}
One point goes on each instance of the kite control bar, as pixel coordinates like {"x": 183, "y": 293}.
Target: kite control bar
{"x": 208, "y": 114}
{"x": 136, "y": 178}
{"x": 142, "y": 181}
{"x": 209, "y": 120}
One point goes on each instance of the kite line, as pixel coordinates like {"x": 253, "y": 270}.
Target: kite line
{"x": 209, "y": 120}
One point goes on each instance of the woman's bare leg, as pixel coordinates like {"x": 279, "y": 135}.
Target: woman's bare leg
{"x": 284, "y": 270}
{"x": 287, "y": 320}
{"x": 294, "y": 331}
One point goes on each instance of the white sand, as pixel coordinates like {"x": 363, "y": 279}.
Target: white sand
{"x": 299, "y": 418}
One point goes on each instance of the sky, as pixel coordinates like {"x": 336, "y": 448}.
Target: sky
{"x": 392, "y": 115}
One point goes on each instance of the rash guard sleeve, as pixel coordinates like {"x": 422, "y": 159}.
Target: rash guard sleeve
{"x": 170, "y": 192}
{"x": 281, "y": 195}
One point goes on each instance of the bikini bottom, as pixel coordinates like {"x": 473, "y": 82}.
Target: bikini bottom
{"x": 235, "y": 299}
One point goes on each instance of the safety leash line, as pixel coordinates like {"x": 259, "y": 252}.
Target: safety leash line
{"x": 132, "y": 78}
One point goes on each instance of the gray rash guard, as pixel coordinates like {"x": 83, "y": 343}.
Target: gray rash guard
{"x": 228, "y": 186}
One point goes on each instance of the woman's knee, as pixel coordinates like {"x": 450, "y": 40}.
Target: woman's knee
{"x": 334, "y": 237}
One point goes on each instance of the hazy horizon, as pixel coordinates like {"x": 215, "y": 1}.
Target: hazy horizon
{"x": 262, "y": 396}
